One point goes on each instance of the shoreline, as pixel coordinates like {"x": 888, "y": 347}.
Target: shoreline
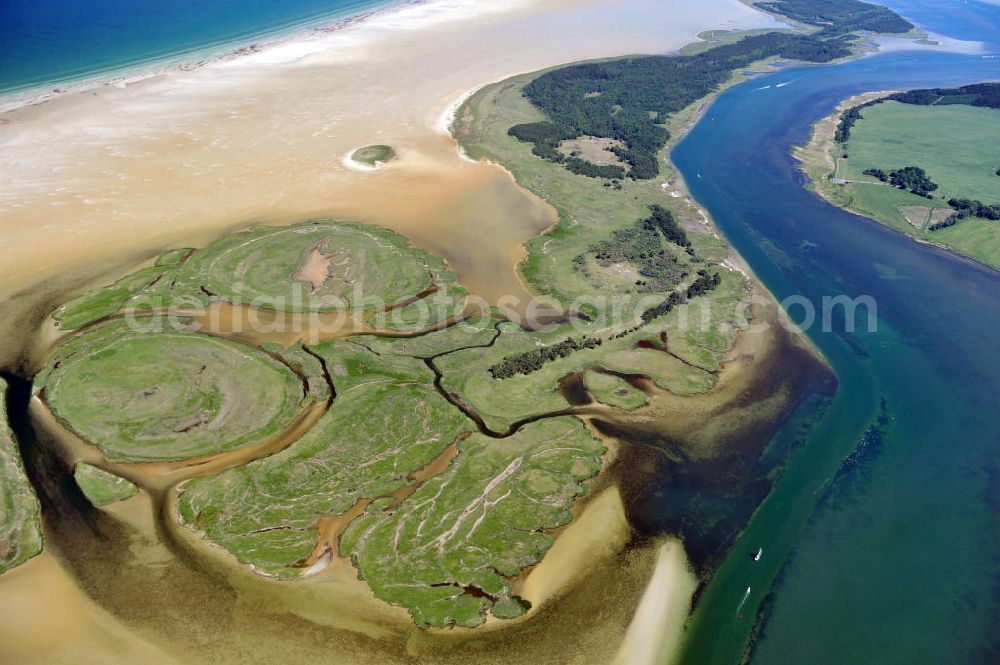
{"x": 650, "y": 587}
{"x": 297, "y": 40}
{"x": 816, "y": 156}
{"x": 125, "y": 74}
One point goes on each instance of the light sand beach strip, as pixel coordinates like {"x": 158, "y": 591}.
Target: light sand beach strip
{"x": 656, "y": 630}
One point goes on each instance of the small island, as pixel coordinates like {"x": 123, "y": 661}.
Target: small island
{"x": 374, "y": 156}
{"x": 922, "y": 162}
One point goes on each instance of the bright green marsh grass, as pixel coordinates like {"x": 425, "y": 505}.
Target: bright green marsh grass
{"x": 20, "y": 519}
{"x": 374, "y": 155}
{"x": 100, "y": 487}
{"x": 167, "y": 396}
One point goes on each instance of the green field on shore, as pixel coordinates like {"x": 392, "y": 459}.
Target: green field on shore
{"x": 954, "y": 143}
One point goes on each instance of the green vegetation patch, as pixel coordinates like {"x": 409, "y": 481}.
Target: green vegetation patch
{"x": 100, "y": 487}
{"x": 441, "y": 546}
{"x": 839, "y": 16}
{"x": 594, "y": 219}
{"x": 106, "y": 301}
{"x": 448, "y": 551}
{"x": 20, "y": 515}
{"x": 374, "y": 155}
{"x": 699, "y": 333}
{"x": 614, "y": 391}
{"x": 954, "y": 144}
{"x": 629, "y": 100}
{"x": 467, "y": 334}
{"x": 644, "y": 258}
{"x": 923, "y": 162}
{"x": 167, "y": 396}
{"x": 313, "y": 266}
{"x": 386, "y": 421}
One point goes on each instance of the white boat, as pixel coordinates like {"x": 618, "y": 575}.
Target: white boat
{"x": 759, "y": 554}
{"x": 743, "y": 601}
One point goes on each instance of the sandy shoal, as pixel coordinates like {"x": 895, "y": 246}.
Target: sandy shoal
{"x": 99, "y": 178}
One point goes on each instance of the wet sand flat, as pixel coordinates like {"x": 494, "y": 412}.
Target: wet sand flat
{"x": 114, "y": 174}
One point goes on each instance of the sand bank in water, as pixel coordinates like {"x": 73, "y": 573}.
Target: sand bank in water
{"x": 655, "y": 633}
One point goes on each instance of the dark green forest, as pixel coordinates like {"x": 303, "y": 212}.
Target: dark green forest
{"x": 838, "y": 17}
{"x": 980, "y": 94}
{"x": 629, "y": 99}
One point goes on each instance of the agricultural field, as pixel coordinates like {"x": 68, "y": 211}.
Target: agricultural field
{"x": 955, "y": 144}
{"x": 20, "y": 520}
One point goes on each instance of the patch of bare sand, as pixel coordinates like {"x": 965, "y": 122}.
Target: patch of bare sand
{"x": 117, "y": 173}
{"x": 917, "y": 216}
{"x": 40, "y": 604}
{"x": 655, "y": 633}
{"x": 315, "y": 268}
{"x": 599, "y": 534}
{"x": 593, "y": 149}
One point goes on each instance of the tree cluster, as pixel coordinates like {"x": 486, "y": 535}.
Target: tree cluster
{"x": 851, "y": 116}
{"x": 592, "y": 170}
{"x": 971, "y": 208}
{"x": 663, "y": 220}
{"x": 980, "y": 94}
{"x": 700, "y": 286}
{"x": 628, "y": 100}
{"x": 642, "y": 246}
{"x": 532, "y": 361}
{"x": 967, "y": 208}
{"x": 913, "y": 179}
{"x": 838, "y": 17}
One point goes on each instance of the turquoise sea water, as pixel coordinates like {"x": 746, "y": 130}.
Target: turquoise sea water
{"x": 882, "y": 538}
{"x": 45, "y": 42}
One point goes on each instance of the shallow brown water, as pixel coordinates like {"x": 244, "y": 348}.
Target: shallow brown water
{"x": 182, "y": 159}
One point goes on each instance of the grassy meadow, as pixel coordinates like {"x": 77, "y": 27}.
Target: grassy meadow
{"x": 955, "y": 144}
